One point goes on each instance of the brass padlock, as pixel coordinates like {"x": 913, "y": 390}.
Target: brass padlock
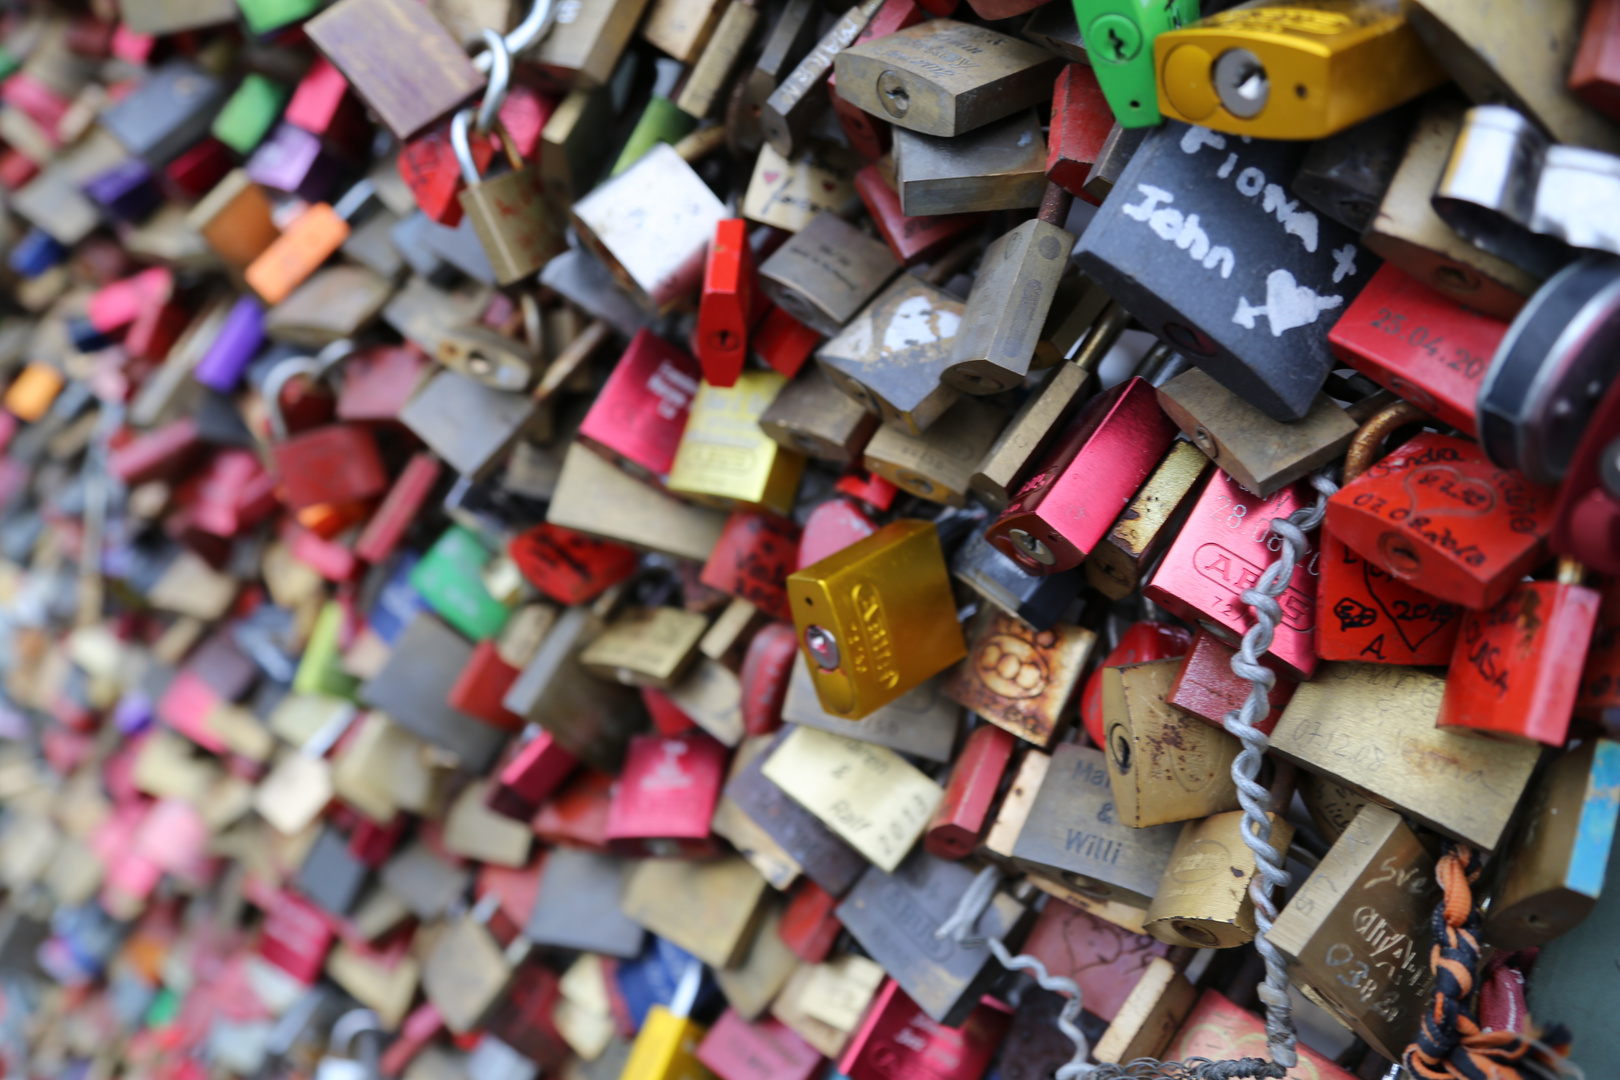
{"x": 877, "y": 618}
{"x": 1001, "y": 166}
{"x": 890, "y": 357}
{"x": 1118, "y": 564}
{"x": 938, "y": 464}
{"x": 1164, "y": 764}
{"x": 826, "y": 272}
{"x": 814, "y": 417}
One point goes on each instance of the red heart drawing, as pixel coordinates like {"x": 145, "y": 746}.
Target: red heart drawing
{"x": 1415, "y": 617}
{"x": 770, "y": 176}
{"x": 1448, "y": 492}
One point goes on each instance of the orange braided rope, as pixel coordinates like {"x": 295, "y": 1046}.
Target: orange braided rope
{"x": 1450, "y": 1045}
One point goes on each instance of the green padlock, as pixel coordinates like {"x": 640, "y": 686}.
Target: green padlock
{"x": 1119, "y": 39}
{"x": 320, "y": 669}
{"x": 250, "y": 113}
{"x": 263, "y": 16}
{"x": 450, "y": 578}
{"x": 661, "y": 122}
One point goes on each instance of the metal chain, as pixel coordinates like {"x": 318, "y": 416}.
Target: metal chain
{"x": 1281, "y": 1037}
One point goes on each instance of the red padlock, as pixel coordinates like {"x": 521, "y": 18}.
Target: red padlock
{"x": 831, "y": 527}
{"x": 784, "y": 342}
{"x": 667, "y": 717}
{"x": 1364, "y": 612}
{"x": 1063, "y": 510}
{"x": 1143, "y": 641}
{"x": 295, "y": 936}
{"x": 955, "y": 828}
{"x": 1437, "y": 510}
{"x": 1221, "y": 551}
{"x": 429, "y": 168}
{"x": 570, "y": 567}
{"x": 481, "y": 686}
{"x": 577, "y": 815}
{"x": 537, "y": 769}
{"x": 727, "y": 309}
{"x": 1586, "y": 519}
{"x": 810, "y": 922}
{"x": 1421, "y": 344}
{"x": 399, "y": 508}
{"x": 338, "y": 463}
{"x": 753, "y": 558}
{"x": 1207, "y": 687}
{"x": 898, "y": 1039}
{"x": 1081, "y": 121}
{"x": 1599, "y": 697}
{"x": 1517, "y": 668}
{"x": 912, "y": 239}
{"x": 766, "y": 669}
{"x": 379, "y": 380}
{"x": 667, "y": 794}
{"x": 640, "y": 414}
{"x": 766, "y": 1049}
{"x": 322, "y": 104}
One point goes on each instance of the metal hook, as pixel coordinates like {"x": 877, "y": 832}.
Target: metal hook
{"x": 279, "y": 377}
{"x": 530, "y": 30}
{"x": 461, "y": 148}
{"x": 351, "y": 1025}
{"x": 500, "y": 80}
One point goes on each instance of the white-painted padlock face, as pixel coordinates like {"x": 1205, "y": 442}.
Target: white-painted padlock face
{"x": 336, "y": 1068}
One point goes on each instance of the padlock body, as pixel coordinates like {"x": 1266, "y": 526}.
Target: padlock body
{"x": 334, "y": 464}
{"x": 1120, "y": 35}
{"x": 1368, "y": 614}
{"x": 1204, "y": 901}
{"x": 515, "y": 224}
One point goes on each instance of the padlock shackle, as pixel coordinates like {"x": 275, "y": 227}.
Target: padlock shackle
{"x": 500, "y": 81}
{"x": 279, "y": 376}
{"x": 1371, "y": 436}
{"x": 351, "y": 1025}
{"x": 533, "y": 27}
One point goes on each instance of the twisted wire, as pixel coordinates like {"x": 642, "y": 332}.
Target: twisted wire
{"x": 1281, "y": 1038}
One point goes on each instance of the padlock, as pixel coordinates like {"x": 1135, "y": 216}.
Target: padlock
{"x": 577, "y": 907}
{"x": 1423, "y": 345}
{"x": 666, "y": 1046}
{"x": 1121, "y": 34}
{"x": 812, "y": 416}
{"x": 1164, "y": 765}
{"x": 1074, "y": 833}
{"x": 1149, "y": 1018}
{"x": 1408, "y": 232}
{"x": 297, "y": 253}
{"x": 708, "y": 907}
{"x": 826, "y": 273}
{"x": 938, "y": 464}
{"x": 234, "y": 219}
{"x": 755, "y": 554}
{"x": 426, "y": 74}
{"x": 727, "y": 311}
{"x": 1531, "y": 77}
{"x": 1536, "y": 399}
{"x": 1063, "y": 510}
{"x": 356, "y": 1032}
{"x": 333, "y": 464}
{"x": 594, "y": 497}
{"x": 799, "y": 96}
{"x": 765, "y": 1049}
{"x": 639, "y": 415}
{"x": 1553, "y": 870}
{"x": 1218, "y": 1030}
{"x": 571, "y": 154}
{"x": 1021, "y": 679}
{"x": 1141, "y": 642}
{"x": 646, "y": 647}
{"x": 1011, "y": 296}
{"x": 586, "y": 42}
{"x": 823, "y": 857}
{"x": 530, "y": 777}
{"x": 1034, "y": 601}
{"x": 662, "y": 190}
{"x": 1302, "y": 269}
{"x": 922, "y": 722}
{"x": 898, "y": 1033}
{"x": 1150, "y": 521}
{"x": 836, "y": 779}
{"x": 1204, "y": 900}
{"x": 725, "y": 459}
{"x": 413, "y": 685}
{"x": 1220, "y": 70}
{"x": 1106, "y": 961}
{"x": 786, "y": 42}
{"x": 712, "y": 69}
{"x": 568, "y": 567}
{"x": 450, "y": 580}
{"x": 889, "y": 358}
{"x": 1083, "y": 123}
{"x": 168, "y": 111}
{"x": 438, "y": 413}
{"x": 1345, "y": 176}
{"x": 1362, "y": 603}
{"x": 869, "y": 135}
{"x": 847, "y": 608}
{"x": 1261, "y": 454}
{"x": 892, "y": 915}
{"x": 514, "y": 224}
{"x": 1000, "y": 166}
{"x": 667, "y": 794}
{"x": 1404, "y": 513}
{"x": 912, "y": 239}
{"x": 1517, "y": 666}
{"x": 1463, "y": 787}
{"x": 963, "y": 813}
{"x": 467, "y": 973}
{"x": 787, "y": 192}
{"x": 249, "y": 112}
{"x": 1356, "y": 933}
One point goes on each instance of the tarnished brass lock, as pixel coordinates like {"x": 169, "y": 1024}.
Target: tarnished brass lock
{"x": 1203, "y": 900}
{"x": 938, "y": 464}
{"x": 1164, "y": 765}
{"x": 1000, "y": 166}
{"x": 1149, "y": 522}
{"x": 827, "y": 272}
{"x": 877, "y": 618}
{"x": 1022, "y": 679}
{"x": 890, "y": 357}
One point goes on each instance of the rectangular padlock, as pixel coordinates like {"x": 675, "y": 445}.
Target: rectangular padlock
{"x": 1000, "y": 166}
{"x": 812, "y": 416}
{"x": 893, "y": 916}
{"x": 708, "y": 907}
{"x": 848, "y": 607}
{"x": 1150, "y": 521}
{"x": 788, "y": 191}
{"x": 1022, "y": 679}
{"x": 1289, "y": 266}
{"x": 800, "y": 96}
{"x": 921, "y": 722}
{"x": 425, "y": 74}
{"x": 1064, "y": 509}
{"x": 943, "y": 77}
{"x": 1397, "y": 708}
{"x": 1218, "y": 1030}
{"x": 890, "y": 357}
{"x": 1036, "y": 601}
{"x": 1207, "y": 687}
{"x": 667, "y": 794}
{"x": 1106, "y": 961}
{"x": 412, "y": 688}
{"x": 1164, "y": 765}
{"x": 594, "y": 497}
{"x": 1436, "y": 507}
{"x": 963, "y": 813}
{"x": 1073, "y": 833}
{"x": 1083, "y": 123}
{"x": 913, "y": 240}
{"x": 438, "y": 414}
{"x": 766, "y": 1049}
{"x": 1425, "y": 346}
{"x": 826, "y": 272}
{"x": 826, "y": 860}
{"x": 1120, "y": 35}
{"x": 650, "y": 646}
{"x": 578, "y": 906}
{"x": 639, "y": 414}
{"x": 938, "y": 464}
{"x": 731, "y": 300}
{"x": 899, "y": 1035}
{"x": 167, "y": 112}
{"x": 1219, "y": 553}
{"x": 724, "y": 459}
{"x": 1378, "y": 866}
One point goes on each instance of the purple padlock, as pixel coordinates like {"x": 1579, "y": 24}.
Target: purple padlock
{"x": 294, "y": 161}
{"x": 126, "y": 192}
{"x": 233, "y": 350}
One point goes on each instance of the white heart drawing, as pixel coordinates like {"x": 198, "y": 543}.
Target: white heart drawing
{"x": 1288, "y": 304}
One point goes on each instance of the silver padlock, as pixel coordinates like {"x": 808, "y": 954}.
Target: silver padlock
{"x": 357, "y": 1032}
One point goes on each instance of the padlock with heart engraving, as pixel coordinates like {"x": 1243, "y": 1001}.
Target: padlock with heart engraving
{"x": 337, "y": 463}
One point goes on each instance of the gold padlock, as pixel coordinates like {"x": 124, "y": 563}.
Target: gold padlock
{"x": 1164, "y": 764}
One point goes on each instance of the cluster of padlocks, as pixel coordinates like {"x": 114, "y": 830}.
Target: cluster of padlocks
{"x": 809, "y": 540}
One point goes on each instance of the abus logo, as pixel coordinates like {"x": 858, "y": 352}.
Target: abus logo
{"x": 878, "y": 649}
